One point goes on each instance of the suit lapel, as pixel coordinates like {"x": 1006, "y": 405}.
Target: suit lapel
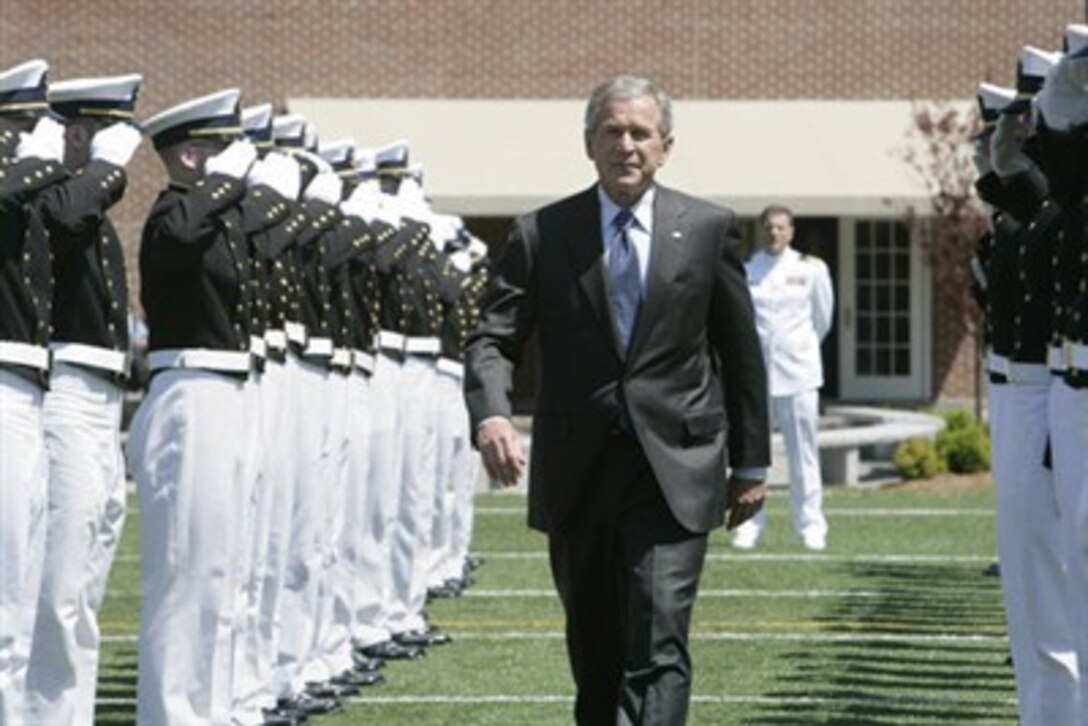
{"x": 668, "y": 251}
{"x": 587, "y": 260}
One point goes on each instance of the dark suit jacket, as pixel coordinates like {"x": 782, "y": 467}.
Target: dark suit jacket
{"x": 692, "y": 384}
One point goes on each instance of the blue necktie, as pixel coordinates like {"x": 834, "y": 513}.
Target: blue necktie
{"x": 625, "y": 278}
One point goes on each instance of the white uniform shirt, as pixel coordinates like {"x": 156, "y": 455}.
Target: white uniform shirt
{"x": 793, "y": 306}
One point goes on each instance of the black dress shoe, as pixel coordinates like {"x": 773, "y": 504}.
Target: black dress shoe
{"x": 443, "y": 592}
{"x": 358, "y": 679}
{"x": 275, "y": 717}
{"x": 366, "y": 664}
{"x": 392, "y": 650}
{"x": 328, "y": 689}
{"x": 474, "y": 562}
{"x": 306, "y": 705}
{"x": 422, "y": 638}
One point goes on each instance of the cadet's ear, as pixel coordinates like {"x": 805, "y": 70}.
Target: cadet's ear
{"x": 77, "y": 134}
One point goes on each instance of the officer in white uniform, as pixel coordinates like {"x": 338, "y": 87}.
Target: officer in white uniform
{"x": 793, "y": 305}
{"x": 86, "y": 502}
{"x": 30, "y": 153}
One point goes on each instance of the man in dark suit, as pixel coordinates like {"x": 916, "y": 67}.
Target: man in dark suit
{"x": 652, "y": 385}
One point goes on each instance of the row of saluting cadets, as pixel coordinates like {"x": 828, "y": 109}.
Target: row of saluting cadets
{"x": 1031, "y": 274}
{"x": 301, "y": 456}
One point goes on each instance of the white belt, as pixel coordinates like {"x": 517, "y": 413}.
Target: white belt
{"x": 341, "y": 357}
{"x": 321, "y": 347}
{"x": 276, "y": 339}
{"x": 1055, "y": 360}
{"x": 363, "y": 361}
{"x": 296, "y": 332}
{"x": 430, "y": 346}
{"x": 1031, "y": 373}
{"x": 92, "y": 356}
{"x": 389, "y": 340}
{"x": 452, "y": 367}
{"x": 24, "y": 354}
{"x": 1075, "y": 355}
{"x": 230, "y": 361}
{"x": 258, "y": 346}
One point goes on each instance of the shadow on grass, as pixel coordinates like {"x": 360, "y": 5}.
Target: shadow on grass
{"x": 116, "y": 694}
{"x": 949, "y": 665}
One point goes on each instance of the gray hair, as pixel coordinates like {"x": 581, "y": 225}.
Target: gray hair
{"x": 627, "y": 87}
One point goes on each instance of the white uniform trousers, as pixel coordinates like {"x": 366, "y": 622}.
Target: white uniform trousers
{"x": 415, "y": 506}
{"x": 1068, "y": 414}
{"x": 277, "y": 453}
{"x": 359, "y": 547}
{"x": 22, "y": 535}
{"x": 797, "y": 416}
{"x": 467, "y": 467}
{"x": 249, "y": 685}
{"x": 84, "y": 517}
{"x": 306, "y": 557}
{"x": 1033, "y": 580}
{"x": 386, "y": 467}
{"x": 449, "y": 438}
{"x": 187, "y": 449}
{"x": 334, "y": 644}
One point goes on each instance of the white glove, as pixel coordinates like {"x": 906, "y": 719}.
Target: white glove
{"x": 45, "y": 142}
{"x": 234, "y": 160}
{"x": 1006, "y": 146}
{"x": 116, "y": 143}
{"x": 325, "y": 187}
{"x": 1063, "y": 102}
{"x": 279, "y": 171}
{"x": 321, "y": 164}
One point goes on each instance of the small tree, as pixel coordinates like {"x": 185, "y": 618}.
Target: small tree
{"x": 939, "y": 150}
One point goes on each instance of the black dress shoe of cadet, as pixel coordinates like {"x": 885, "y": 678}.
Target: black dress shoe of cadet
{"x": 275, "y": 717}
{"x": 306, "y": 705}
{"x": 329, "y": 689}
{"x": 422, "y": 638}
{"x": 474, "y": 562}
{"x": 392, "y": 650}
{"x": 442, "y": 592}
{"x": 358, "y": 679}
{"x": 365, "y": 664}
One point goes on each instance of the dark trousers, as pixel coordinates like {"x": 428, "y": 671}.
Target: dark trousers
{"x": 627, "y": 575}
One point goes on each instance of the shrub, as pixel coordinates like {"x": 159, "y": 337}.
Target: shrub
{"x": 917, "y": 459}
{"x": 965, "y": 450}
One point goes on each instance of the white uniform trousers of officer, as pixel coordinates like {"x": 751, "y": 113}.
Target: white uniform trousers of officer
{"x": 1029, "y": 549}
{"x": 306, "y": 558}
{"x": 386, "y": 468}
{"x": 1068, "y": 412}
{"x": 22, "y": 534}
{"x": 415, "y": 505}
{"x": 797, "y": 417}
{"x": 466, "y": 472}
{"x": 334, "y": 644}
{"x": 187, "y": 452}
{"x": 358, "y": 546}
{"x": 249, "y": 689}
{"x": 449, "y": 438}
{"x": 84, "y": 517}
{"x": 278, "y": 455}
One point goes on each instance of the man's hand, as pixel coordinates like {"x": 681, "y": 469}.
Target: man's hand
{"x": 745, "y": 499}
{"x": 500, "y": 446}
{"x": 116, "y": 143}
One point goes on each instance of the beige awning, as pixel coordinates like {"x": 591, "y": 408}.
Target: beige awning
{"x": 504, "y": 157}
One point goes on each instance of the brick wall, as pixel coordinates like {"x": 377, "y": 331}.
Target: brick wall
{"x": 274, "y": 49}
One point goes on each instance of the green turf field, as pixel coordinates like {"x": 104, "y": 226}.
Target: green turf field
{"x": 895, "y": 623}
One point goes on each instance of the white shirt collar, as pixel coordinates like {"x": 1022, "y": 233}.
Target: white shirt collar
{"x": 642, "y": 210}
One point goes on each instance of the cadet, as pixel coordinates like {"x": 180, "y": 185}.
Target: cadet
{"x": 1018, "y": 323}
{"x": 187, "y": 440}
{"x": 31, "y": 147}
{"x": 86, "y": 507}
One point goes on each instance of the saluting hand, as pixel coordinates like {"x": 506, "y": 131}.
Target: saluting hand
{"x": 746, "y": 497}
{"x": 500, "y": 447}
